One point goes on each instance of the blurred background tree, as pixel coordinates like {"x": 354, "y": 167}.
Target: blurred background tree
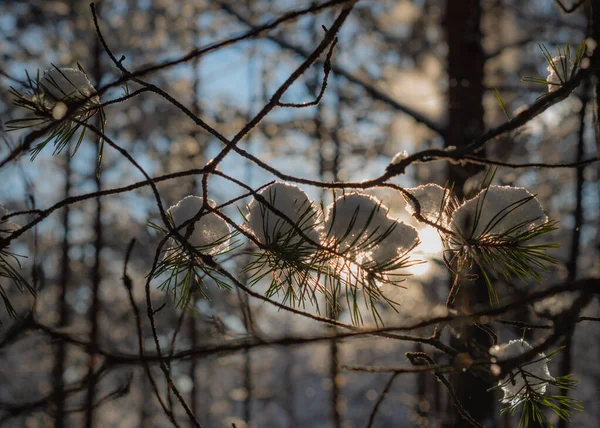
{"x": 406, "y": 75}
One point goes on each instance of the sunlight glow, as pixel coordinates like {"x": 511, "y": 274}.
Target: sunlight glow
{"x": 431, "y": 245}
{"x": 430, "y": 241}
{"x": 419, "y": 269}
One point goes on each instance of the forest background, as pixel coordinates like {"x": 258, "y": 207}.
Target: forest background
{"x": 403, "y": 76}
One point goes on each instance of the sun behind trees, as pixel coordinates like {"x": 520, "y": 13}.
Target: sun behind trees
{"x": 187, "y": 241}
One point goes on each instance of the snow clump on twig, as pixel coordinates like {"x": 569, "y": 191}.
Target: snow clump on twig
{"x": 210, "y": 233}
{"x": 559, "y": 72}
{"x": 271, "y": 228}
{"x": 498, "y": 211}
{"x": 63, "y": 87}
{"x": 358, "y": 224}
{"x": 435, "y": 202}
{"x": 68, "y": 85}
{"x": 399, "y": 157}
{"x": 529, "y": 377}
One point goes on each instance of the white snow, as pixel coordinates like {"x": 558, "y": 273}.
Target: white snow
{"x": 290, "y": 200}
{"x": 209, "y": 231}
{"x": 430, "y": 198}
{"x": 398, "y": 157}
{"x": 537, "y": 375}
{"x": 399, "y": 241}
{"x": 68, "y": 85}
{"x": 559, "y": 76}
{"x": 358, "y": 223}
{"x": 498, "y": 210}
{"x": 352, "y": 219}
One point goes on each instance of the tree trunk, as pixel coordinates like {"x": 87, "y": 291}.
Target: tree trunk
{"x": 465, "y": 122}
{"x": 63, "y": 308}
{"x": 96, "y": 268}
{"x": 566, "y": 362}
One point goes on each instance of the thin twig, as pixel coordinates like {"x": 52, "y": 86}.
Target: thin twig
{"x": 128, "y": 284}
{"x": 380, "y": 399}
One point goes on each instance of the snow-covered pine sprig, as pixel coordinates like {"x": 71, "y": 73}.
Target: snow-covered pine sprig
{"x": 292, "y": 264}
{"x": 371, "y": 250}
{"x": 63, "y": 99}
{"x": 494, "y": 231}
{"x": 525, "y": 387}
{"x": 273, "y": 230}
{"x": 182, "y": 266}
{"x": 436, "y": 203}
{"x": 8, "y": 260}
{"x": 358, "y": 227}
{"x": 354, "y": 250}
{"x": 561, "y": 68}
{"x": 298, "y": 279}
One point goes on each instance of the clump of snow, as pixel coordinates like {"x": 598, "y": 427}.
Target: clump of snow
{"x": 210, "y": 232}
{"x": 352, "y": 219}
{"x": 559, "y": 72}
{"x": 271, "y": 228}
{"x": 68, "y": 86}
{"x": 358, "y": 224}
{"x": 498, "y": 210}
{"x": 398, "y": 157}
{"x": 534, "y": 375}
{"x": 433, "y": 202}
{"x": 6, "y": 226}
{"x": 400, "y": 239}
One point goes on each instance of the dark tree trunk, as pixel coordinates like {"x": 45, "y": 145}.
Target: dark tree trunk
{"x": 193, "y": 328}
{"x": 595, "y": 20}
{"x": 566, "y": 362}
{"x": 289, "y": 382}
{"x": 328, "y": 170}
{"x": 465, "y": 122}
{"x": 465, "y": 79}
{"x": 193, "y": 366}
{"x": 63, "y": 308}
{"x": 96, "y": 274}
{"x": 60, "y": 356}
